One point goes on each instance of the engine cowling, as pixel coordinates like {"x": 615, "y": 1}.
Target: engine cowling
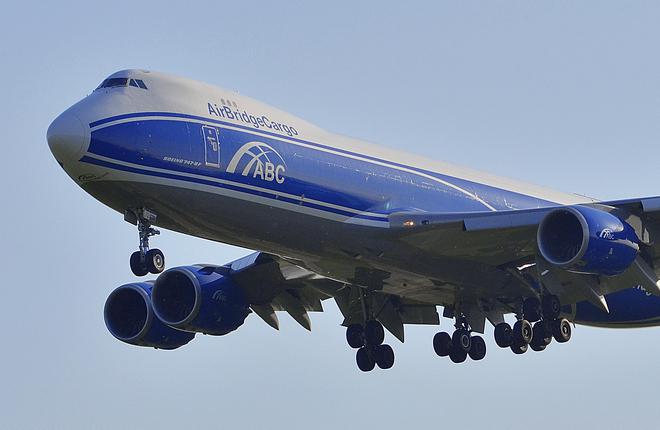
{"x": 199, "y": 299}
{"x": 129, "y": 317}
{"x": 586, "y": 240}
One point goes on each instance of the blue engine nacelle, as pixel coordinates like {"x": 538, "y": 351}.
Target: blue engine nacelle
{"x": 129, "y": 316}
{"x": 586, "y": 240}
{"x": 199, "y": 299}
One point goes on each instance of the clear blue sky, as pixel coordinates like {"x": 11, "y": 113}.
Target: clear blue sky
{"x": 564, "y": 94}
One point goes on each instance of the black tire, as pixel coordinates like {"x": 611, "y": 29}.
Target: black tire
{"x": 478, "y": 348}
{"x": 365, "y": 360}
{"x": 551, "y": 307}
{"x": 374, "y": 333}
{"x": 461, "y": 340}
{"x": 155, "y": 261}
{"x": 532, "y": 309}
{"x": 442, "y": 344}
{"x": 538, "y": 347}
{"x": 457, "y": 355}
{"x": 503, "y": 335}
{"x": 522, "y": 332}
{"x": 137, "y": 266}
{"x": 519, "y": 349}
{"x": 355, "y": 336}
{"x": 561, "y": 330}
{"x": 542, "y": 336}
{"x": 384, "y": 356}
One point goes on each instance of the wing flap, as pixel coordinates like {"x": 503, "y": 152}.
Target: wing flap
{"x": 274, "y": 284}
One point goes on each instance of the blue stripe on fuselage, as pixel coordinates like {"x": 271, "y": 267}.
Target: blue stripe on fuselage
{"x": 344, "y": 181}
{"x": 238, "y": 188}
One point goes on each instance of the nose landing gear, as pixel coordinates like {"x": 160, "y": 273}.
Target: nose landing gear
{"x": 145, "y": 260}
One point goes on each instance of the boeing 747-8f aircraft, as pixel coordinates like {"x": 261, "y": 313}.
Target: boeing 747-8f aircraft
{"x": 387, "y": 235}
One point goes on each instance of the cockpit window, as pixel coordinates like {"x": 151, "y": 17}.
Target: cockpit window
{"x": 114, "y": 82}
{"x": 122, "y": 82}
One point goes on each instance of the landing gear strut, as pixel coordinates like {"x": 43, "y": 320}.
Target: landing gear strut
{"x": 460, "y": 344}
{"x": 145, "y": 260}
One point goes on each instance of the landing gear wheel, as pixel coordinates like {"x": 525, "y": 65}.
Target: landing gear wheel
{"x": 355, "y": 336}
{"x": 561, "y": 329}
{"x": 522, "y": 332}
{"x": 532, "y": 309}
{"x": 442, "y": 344}
{"x": 374, "y": 333}
{"x": 154, "y": 261}
{"x": 461, "y": 340}
{"x": 542, "y": 334}
{"x": 365, "y": 360}
{"x": 457, "y": 355}
{"x": 478, "y": 348}
{"x": 137, "y": 265}
{"x": 384, "y": 355}
{"x": 503, "y": 335}
{"x": 519, "y": 349}
{"x": 537, "y": 347}
{"x": 551, "y": 307}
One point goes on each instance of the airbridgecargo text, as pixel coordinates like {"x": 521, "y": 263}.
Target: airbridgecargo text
{"x": 256, "y": 121}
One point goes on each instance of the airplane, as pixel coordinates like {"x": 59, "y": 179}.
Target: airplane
{"x": 390, "y": 237}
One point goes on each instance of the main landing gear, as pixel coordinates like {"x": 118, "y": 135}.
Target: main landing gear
{"x": 368, "y": 338}
{"x": 544, "y": 314}
{"x": 460, "y": 345}
{"x": 371, "y": 351}
{"x": 145, "y": 260}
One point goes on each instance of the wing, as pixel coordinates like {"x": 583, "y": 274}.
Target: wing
{"x": 502, "y": 242}
{"x": 507, "y": 240}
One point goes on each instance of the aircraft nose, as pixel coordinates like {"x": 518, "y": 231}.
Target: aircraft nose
{"x": 66, "y": 137}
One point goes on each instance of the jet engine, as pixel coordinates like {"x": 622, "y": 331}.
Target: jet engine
{"x": 129, "y": 316}
{"x": 586, "y": 240}
{"x": 199, "y": 299}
